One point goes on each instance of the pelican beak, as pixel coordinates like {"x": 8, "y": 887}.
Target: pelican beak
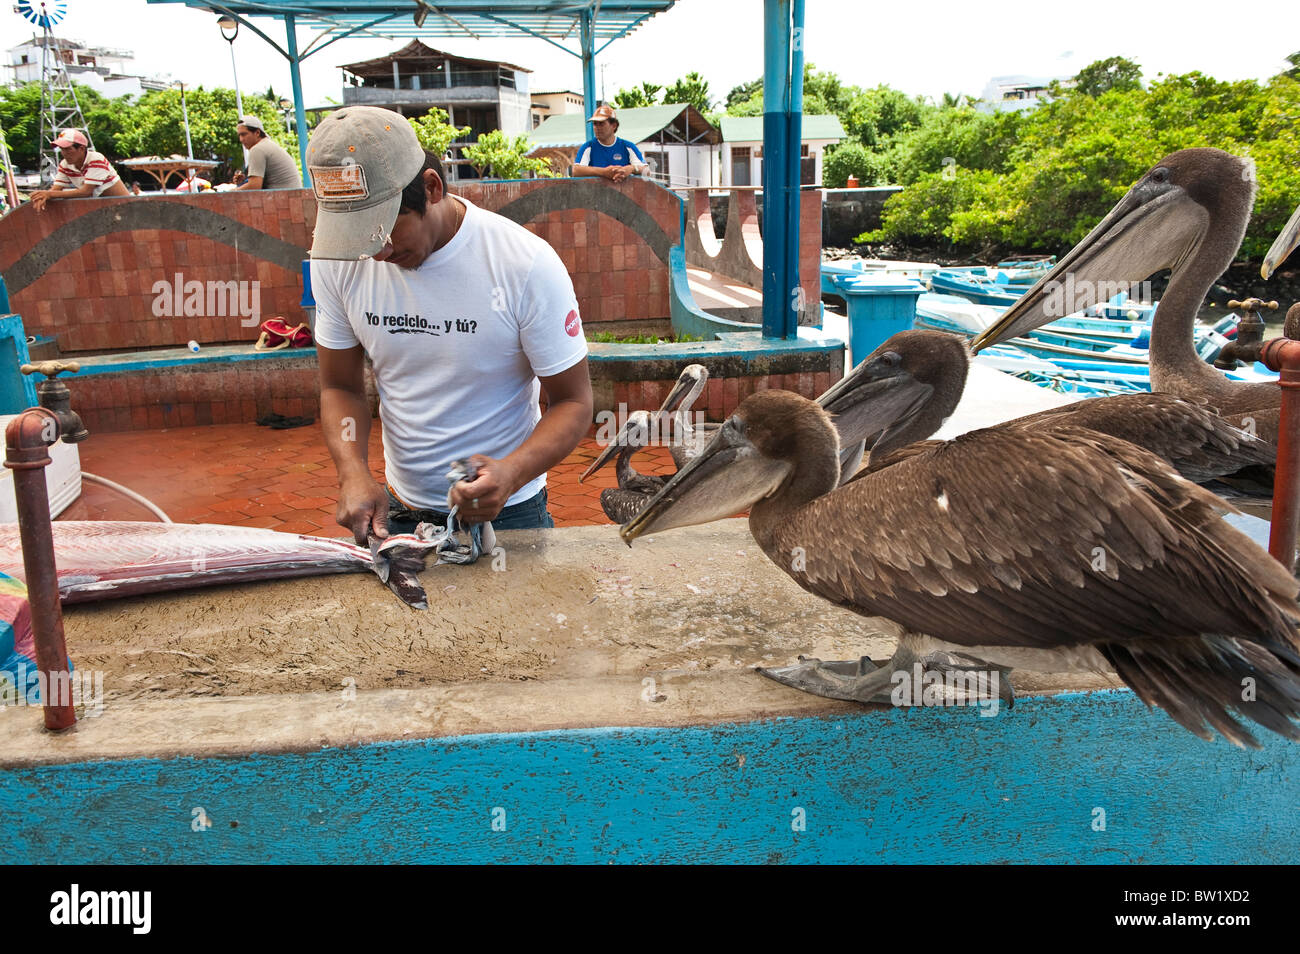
{"x": 1283, "y": 245}
{"x": 1138, "y": 238}
{"x": 686, "y": 382}
{"x": 604, "y": 458}
{"x": 873, "y": 401}
{"x": 633, "y": 434}
{"x": 728, "y": 477}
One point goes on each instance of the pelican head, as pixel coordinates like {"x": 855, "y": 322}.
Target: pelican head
{"x": 687, "y": 389}
{"x": 754, "y": 455}
{"x": 1190, "y": 199}
{"x": 901, "y": 392}
{"x": 635, "y": 433}
{"x": 1283, "y": 245}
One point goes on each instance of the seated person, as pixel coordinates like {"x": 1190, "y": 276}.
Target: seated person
{"x": 269, "y": 166}
{"x": 608, "y": 156}
{"x": 82, "y": 172}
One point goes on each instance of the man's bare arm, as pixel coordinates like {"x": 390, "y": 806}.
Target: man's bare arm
{"x": 565, "y": 422}
{"x": 252, "y": 182}
{"x": 345, "y": 423}
{"x": 604, "y": 172}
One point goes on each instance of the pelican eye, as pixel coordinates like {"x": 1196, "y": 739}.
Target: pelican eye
{"x": 891, "y": 359}
{"x": 1160, "y": 175}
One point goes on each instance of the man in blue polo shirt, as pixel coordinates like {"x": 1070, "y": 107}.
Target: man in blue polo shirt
{"x": 608, "y": 156}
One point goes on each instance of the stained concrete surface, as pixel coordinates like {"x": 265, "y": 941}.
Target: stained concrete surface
{"x": 572, "y": 629}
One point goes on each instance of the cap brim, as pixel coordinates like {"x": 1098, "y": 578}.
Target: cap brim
{"x": 355, "y": 234}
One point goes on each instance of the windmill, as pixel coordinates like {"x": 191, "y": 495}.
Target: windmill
{"x": 59, "y": 106}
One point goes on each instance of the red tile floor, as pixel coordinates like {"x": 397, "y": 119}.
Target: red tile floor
{"x": 252, "y": 476}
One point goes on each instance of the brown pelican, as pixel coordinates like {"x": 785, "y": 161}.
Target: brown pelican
{"x": 1188, "y": 214}
{"x": 692, "y": 437}
{"x": 1049, "y": 549}
{"x": 634, "y": 490}
{"x": 620, "y": 504}
{"x": 922, "y": 374}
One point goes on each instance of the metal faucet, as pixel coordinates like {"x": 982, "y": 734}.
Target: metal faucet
{"x": 27, "y": 440}
{"x": 54, "y": 396}
{"x": 1250, "y": 334}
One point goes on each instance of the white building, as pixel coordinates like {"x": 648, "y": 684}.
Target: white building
{"x": 560, "y": 102}
{"x": 107, "y": 72}
{"x": 742, "y": 148}
{"x": 1020, "y": 93}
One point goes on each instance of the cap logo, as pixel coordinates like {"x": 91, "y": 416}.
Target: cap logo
{"x": 339, "y": 183}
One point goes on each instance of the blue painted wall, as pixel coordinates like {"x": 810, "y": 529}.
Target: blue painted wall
{"x": 925, "y": 785}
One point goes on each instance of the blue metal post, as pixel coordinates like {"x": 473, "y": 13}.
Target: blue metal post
{"x": 776, "y": 98}
{"x": 299, "y": 114}
{"x": 794, "y": 298}
{"x": 589, "y": 65}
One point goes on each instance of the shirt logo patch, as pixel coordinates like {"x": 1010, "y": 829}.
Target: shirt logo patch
{"x": 573, "y": 324}
{"x": 339, "y": 183}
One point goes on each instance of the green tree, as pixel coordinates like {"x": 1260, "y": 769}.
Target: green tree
{"x": 692, "y": 89}
{"x": 435, "y": 133}
{"x": 742, "y": 93}
{"x": 645, "y": 95}
{"x": 851, "y": 159}
{"x": 20, "y": 116}
{"x": 156, "y": 125}
{"x": 501, "y": 157}
{"x": 1115, "y": 72}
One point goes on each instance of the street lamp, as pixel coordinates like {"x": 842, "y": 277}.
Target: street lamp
{"x": 189, "y": 145}
{"x": 231, "y": 24}
{"x": 286, "y": 106}
{"x": 229, "y": 30}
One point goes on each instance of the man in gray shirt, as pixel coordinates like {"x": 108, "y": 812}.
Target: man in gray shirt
{"x": 269, "y": 166}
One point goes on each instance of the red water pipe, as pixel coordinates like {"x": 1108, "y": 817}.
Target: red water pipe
{"x": 1283, "y": 355}
{"x": 27, "y": 439}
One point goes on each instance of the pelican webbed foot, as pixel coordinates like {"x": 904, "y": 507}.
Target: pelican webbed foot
{"x": 906, "y": 680}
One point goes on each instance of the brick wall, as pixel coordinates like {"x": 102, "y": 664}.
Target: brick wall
{"x": 84, "y": 270}
{"x": 613, "y": 238}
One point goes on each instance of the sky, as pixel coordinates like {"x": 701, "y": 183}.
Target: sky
{"x": 923, "y": 47}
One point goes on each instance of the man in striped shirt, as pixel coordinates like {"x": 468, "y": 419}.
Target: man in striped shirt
{"x": 82, "y": 172}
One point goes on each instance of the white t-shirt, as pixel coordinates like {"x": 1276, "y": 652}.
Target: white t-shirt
{"x": 457, "y": 344}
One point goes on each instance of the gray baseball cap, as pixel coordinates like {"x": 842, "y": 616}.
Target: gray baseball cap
{"x": 360, "y": 159}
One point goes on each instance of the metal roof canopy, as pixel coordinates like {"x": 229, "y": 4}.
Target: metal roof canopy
{"x": 558, "y": 22}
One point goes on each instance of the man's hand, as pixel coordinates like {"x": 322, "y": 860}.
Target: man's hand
{"x": 363, "y": 509}
{"x": 39, "y": 198}
{"x": 619, "y": 173}
{"x": 238, "y": 177}
{"x": 484, "y": 497}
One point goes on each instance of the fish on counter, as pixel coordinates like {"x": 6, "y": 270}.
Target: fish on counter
{"x": 108, "y": 559}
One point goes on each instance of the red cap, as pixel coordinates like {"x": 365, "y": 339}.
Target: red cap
{"x": 72, "y": 137}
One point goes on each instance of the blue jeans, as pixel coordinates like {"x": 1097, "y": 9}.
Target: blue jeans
{"x": 530, "y": 514}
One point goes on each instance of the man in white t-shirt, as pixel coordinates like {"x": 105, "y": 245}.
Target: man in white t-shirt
{"x": 465, "y": 316}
